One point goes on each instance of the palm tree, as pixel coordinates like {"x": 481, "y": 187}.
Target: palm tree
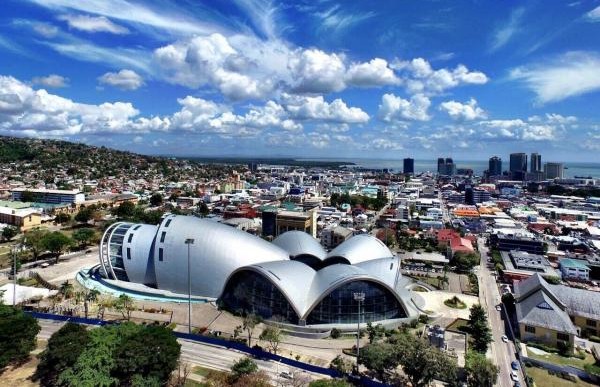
{"x": 90, "y": 296}
{"x": 66, "y": 289}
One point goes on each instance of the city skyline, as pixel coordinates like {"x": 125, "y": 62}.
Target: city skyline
{"x": 304, "y": 79}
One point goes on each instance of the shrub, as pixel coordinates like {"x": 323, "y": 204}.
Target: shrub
{"x": 595, "y": 339}
{"x": 335, "y": 333}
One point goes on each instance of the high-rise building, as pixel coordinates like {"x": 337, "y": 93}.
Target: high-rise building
{"x": 446, "y": 166}
{"x": 536, "y": 163}
{"x": 518, "y": 165}
{"x": 441, "y": 165}
{"x": 554, "y": 170}
{"x": 409, "y": 166}
{"x": 495, "y": 166}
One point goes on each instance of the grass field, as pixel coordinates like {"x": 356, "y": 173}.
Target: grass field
{"x": 562, "y": 360}
{"x": 542, "y": 378}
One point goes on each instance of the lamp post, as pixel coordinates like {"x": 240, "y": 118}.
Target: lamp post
{"x": 14, "y": 251}
{"x": 360, "y": 297}
{"x": 189, "y": 242}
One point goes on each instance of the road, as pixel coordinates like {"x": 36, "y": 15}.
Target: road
{"x": 208, "y": 356}
{"x": 489, "y": 296}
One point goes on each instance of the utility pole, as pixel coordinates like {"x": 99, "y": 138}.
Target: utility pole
{"x": 189, "y": 242}
{"x": 360, "y": 297}
{"x": 14, "y": 251}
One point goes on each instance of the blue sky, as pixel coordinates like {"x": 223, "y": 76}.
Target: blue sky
{"x": 368, "y": 79}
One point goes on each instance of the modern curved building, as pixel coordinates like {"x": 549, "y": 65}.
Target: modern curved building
{"x": 291, "y": 280}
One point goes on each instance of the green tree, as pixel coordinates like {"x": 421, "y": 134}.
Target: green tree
{"x": 18, "y": 333}
{"x": 379, "y": 358}
{"x": 84, "y": 215}
{"x": 242, "y": 367}
{"x": 124, "y": 304}
{"x": 151, "y": 352}
{"x": 479, "y": 329}
{"x": 64, "y": 347}
{"x": 62, "y": 218}
{"x": 66, "y": 289}
{"x": 56, "y": 242}
{"x": 125, "y": 210}
{"x": 250, "y": 322}
{"x": 9, "y": 232}
{"x": 480, "y": 371}
{"x": 156, "y": 199}
{"x": 465, "y": 261}
{"x": 83, "y": 236}
{"x": 375, "y": 332}
{"x": 90, "y": 295}
{"x": 33, "y": 240}
{"x": 422, "y": 363}
{"x": 273, "y": 336}
{"x": 341, "y": 365}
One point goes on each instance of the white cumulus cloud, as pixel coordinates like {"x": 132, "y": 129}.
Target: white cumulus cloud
{"x": 394, "y": 108}
{"x": 124, "y": 79}
{"x": 468, "y": 111}
{"x": 52, "y": 80}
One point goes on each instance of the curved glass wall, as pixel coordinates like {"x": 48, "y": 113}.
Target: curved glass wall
{"x": 249, "y": 292}
{"x": 339, "y": 306}
{"x": 112, "y": 250}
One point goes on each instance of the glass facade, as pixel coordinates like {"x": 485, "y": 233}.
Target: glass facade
{"x": 115, "y": 250}
{"x": 249, "y": 292}
{"x": 339, "y": 306}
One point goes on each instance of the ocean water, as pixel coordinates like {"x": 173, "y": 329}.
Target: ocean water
{"x": 572, "y": 169}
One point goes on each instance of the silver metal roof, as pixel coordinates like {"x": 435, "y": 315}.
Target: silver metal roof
{"x": 361, "y": 248}
{"x": 218, "y": 250}
{"x": 300, "y": 243}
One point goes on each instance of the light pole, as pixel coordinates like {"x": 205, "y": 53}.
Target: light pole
{"x": 14, "y": 249}
{"x": 189, "y": 242}
{"x": 360, "y": 297}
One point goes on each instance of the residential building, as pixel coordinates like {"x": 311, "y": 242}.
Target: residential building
{"x": 574, "y": 269}
{"x": 554, "y": 170}
{"x": 335, "y": 236}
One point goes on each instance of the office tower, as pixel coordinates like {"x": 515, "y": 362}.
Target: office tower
{"x": 554, "y": 170}
{"x": 409, "y": 166}
{"x": 536, "y": 162}
{"x": 495, "y": 166}
{"x": 441, "y": 165}
{"x": 469, "y": 195}
{"x": 518, "y": 165}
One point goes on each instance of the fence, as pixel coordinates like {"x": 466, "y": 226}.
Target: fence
{"x": 255, "y": 352}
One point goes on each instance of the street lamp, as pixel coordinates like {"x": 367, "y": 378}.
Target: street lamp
{"x": 14, "y": 251}
{"x": 359, "y": 297}
{"x": 189, "y": 242}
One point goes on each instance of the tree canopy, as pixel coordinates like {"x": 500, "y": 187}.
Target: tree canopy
{"x": 18, "y": 332}
{"x": 480, "y": 371}
{"x": 64, "y": 347}
{"x": 479, "y": 328}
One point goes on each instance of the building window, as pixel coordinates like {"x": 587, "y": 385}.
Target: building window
{"x": 529, "y": 329}
{"x": 128, "y": 253}
{"x": 590, "y": 322}
{"x": 130, "y": 238}
{"x": 136, "y": 227}
{"x": 168, "y": 223}
{"x": 160, "y": 254}
{"x": 562, "y": 336}
{"x": 162, "y": 236}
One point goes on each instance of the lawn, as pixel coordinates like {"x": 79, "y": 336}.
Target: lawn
{"x": 542, "y": 378}
{"x": 434, "y": 282}
{"x": 562, "y": 360}
{"x": 457, "y": 324}
{"x": 202, "y": 371}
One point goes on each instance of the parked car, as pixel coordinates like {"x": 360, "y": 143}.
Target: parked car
{"x": 514, "y": 365}
{"x": 286, "y": 375}
{"x": 498, "y": 308}
{"x": 504, "y": 338}
{"x": 513, "y": 376}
